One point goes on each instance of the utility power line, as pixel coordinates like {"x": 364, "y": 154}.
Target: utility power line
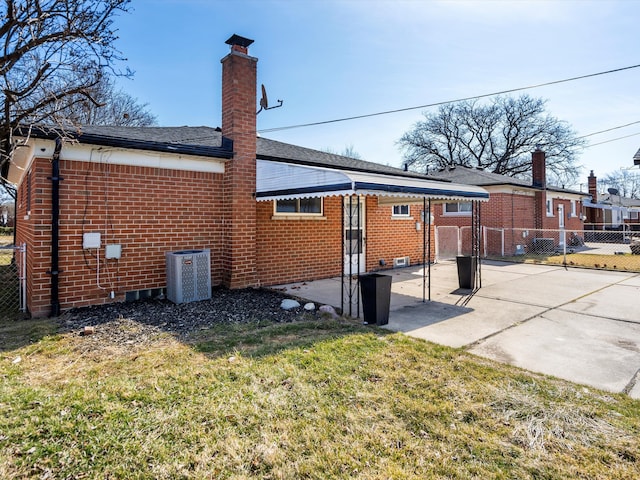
{"x": 612, "y": 140}
{"x": 609, "y": 129}
{"x": 502, "y": 92}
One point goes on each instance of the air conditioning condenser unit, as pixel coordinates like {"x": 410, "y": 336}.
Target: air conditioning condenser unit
{"x": 188, "y": 275}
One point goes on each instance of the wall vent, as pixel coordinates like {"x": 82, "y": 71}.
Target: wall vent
{"x": 401, "y": 262}
{"x": 188, "y": 275}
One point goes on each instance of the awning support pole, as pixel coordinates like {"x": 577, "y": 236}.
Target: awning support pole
{"x": 342, "y": 250}
{"x": 429, "y": 247}
{"x": 424, "y": 248}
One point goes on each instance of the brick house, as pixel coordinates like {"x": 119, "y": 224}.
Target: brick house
{"x": 519, "y": 212}
{"x": 610, "y": 211}
{"x": 99, "y": 209}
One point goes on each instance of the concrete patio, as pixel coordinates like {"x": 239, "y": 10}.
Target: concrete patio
{"x": 577, "y": 324}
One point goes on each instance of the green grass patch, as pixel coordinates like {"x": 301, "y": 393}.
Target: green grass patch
{"x": 319, "y": 399}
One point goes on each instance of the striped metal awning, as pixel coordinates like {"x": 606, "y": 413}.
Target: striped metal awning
{"x": 280, "y": 181}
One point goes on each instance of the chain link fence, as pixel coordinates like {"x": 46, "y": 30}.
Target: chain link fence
{"x": 593, "y": 248}
{"x": 11, "y": 282}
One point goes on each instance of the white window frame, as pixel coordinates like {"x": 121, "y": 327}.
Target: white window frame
{"x": 574, "y": 211}
{"x": 457, "y": 213}
{"x": 401, "y": 215}
{"x": 549, "y": 207}
{"x": 633, "y": 214}
{"x": 298, "y": 213}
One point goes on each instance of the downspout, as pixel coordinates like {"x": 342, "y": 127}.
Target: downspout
{"x": 15, "y": 219}
{"x": 55, "y": 228}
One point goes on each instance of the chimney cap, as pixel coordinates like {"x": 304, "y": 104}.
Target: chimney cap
{"x": 239, "y": 41}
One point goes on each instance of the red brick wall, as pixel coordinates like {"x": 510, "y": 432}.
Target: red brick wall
{"x": 299, "y": 249}
{"x": 34, "y": 229}
{"x": 392, "y": 237}
{"x": 148, "y": 211}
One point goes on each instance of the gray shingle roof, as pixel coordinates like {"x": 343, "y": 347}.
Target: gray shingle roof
{"x": 482, "y": 178}
{"x": 474, "y": 176}
{"x": 208, "y": 141}
{"x": 609, "y": 199}
{"x": 279, "y": 151}
{"x": 203, "y": 141}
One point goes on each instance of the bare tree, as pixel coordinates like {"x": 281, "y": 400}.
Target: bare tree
{"x": 52, "y": 53}
{"x": 627, "y": 183}
{"x": 497, "y": 137}
{"x": 108, "y": 106}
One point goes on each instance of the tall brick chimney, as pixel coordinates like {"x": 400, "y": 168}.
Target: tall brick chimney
{"x": 239, "y": 77}
{"x": 592, "y": 183}
{"x": 538, "y": 166}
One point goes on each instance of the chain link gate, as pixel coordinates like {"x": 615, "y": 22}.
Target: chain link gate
{"x": 12, "y": 281}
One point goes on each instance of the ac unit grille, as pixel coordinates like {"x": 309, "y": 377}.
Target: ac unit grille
{"x": 188, "y": 275}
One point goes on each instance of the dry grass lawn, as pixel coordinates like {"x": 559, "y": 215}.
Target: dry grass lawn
{"x": 6, "y": 240}
{"x": 322, "y": 399}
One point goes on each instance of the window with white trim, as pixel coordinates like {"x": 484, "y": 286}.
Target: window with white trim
{"x": 633, "y": 214}
{"x": 299, "y": 206}
{"x": 574, "y": 212}
{"x": 457, "y": 208}
{"x": 400, "y": 211}
{"x": 549, "y": 207}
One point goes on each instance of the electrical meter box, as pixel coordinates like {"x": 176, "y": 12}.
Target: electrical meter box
{"x": 91, "y": 240}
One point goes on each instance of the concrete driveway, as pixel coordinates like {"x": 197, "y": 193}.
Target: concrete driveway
{"x": 577, "y": 324}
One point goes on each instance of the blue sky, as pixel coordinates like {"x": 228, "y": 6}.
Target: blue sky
{"x": 333, "y": 59}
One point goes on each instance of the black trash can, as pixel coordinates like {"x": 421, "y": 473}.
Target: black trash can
{"x": 466, "y": 271}
{"x": 376, "y": 298}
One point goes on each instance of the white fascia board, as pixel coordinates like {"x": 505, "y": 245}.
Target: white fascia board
{"x": 509, "y": 190}
{"x": 40, "y": 148}
{"x": 23, "y": 157}
{"x": 565, "y": 196}
{"x": 141, "y": 158}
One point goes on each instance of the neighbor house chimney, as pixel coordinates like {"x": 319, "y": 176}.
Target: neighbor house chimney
{"x": 239, "y": 76}
{"x": 592, "y": 183}
{"x": 538, "y": 164}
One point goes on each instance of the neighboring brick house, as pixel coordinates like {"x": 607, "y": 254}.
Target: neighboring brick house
{"x": 610, "y": 211}
{"x": 99, "y": 209}
{"x": 520, "y": 211}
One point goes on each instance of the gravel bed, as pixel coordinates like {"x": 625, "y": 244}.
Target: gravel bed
{"x": 144, "y": 321}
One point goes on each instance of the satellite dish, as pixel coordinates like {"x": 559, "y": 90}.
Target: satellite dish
{"x": 264, "y": 101}
{"x": 612, "y": 191}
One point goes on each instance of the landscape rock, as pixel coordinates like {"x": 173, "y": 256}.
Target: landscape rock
{"x": 310, "y": 307}
{"x": 329, "y": 310}
{"x": 289, "y": 304}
